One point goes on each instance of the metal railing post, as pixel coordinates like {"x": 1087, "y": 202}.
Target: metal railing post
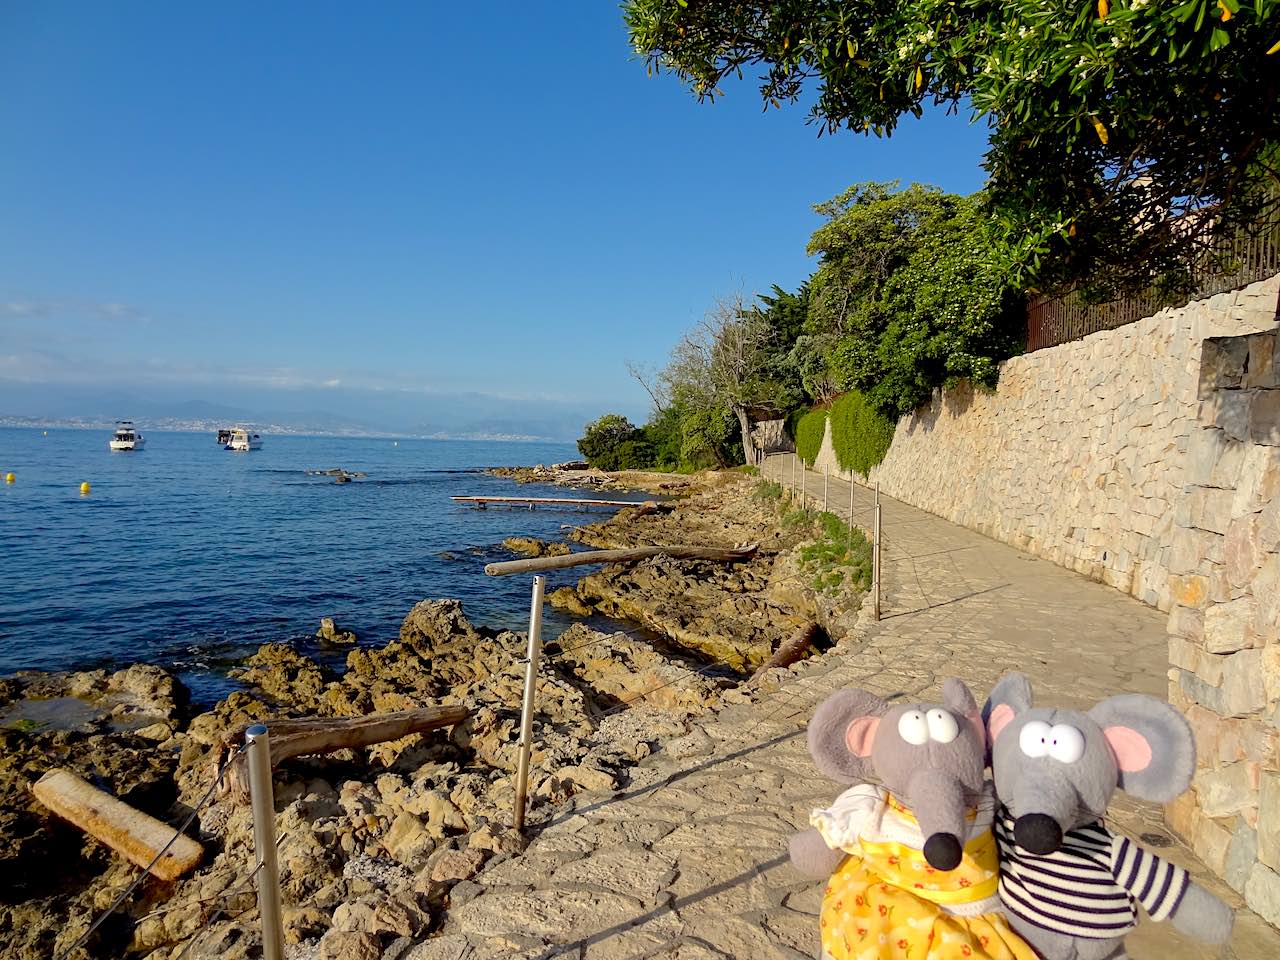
{"x": 526, "y": 710}
{"x": 875, "y": 558}
{"x": 849, "y": 546}
{"x": 264, "y": 842}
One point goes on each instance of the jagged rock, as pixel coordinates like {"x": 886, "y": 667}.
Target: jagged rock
{"x": 282, "y": 673}
{"x": 331, "y": 633}
{"x": 458, "y": 865}
{"x": 567, "y": 599}
{"x": 408, "y": 840}
{"x": 533, "y": 547}
{"x": 344, "y": 945}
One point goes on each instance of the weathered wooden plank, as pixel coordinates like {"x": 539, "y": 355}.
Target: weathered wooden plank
{"x": 790, "y": 650}
{"x": 310, "y": 735}
{"x": 129, "y": 832}
{"x": 574, "y": 501}
{"x": 626, "y": 555}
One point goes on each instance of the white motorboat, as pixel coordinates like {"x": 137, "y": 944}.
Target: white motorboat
{"x": 126, "y": 437}
{"x": 242, "y": 441}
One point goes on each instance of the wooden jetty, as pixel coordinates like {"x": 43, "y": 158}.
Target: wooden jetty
{"x": 480, "y": 503}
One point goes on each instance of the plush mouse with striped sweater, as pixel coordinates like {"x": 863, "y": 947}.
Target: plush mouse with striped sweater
{"x": 1069, "y": 885}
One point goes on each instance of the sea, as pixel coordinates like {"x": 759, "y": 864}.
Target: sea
{"x": 189, "y": 556}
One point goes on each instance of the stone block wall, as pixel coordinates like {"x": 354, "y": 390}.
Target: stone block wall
{"x": 1078, "y": 456}
{"x": 1225, "y": 621}
{"x": 770, "y": 436}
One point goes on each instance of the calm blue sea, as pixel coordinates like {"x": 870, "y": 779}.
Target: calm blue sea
{"x": 189, "y": 556}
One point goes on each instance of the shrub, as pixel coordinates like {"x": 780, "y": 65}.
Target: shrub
{"x": 665, "y": 435}
{"x": 602, "y": 439}
{"x": 809, "y": 431}
{"x": 837, "y": 557}
{"x": 859, "y": 434}
{"x": 633, "y": 454}
{"x": 767, "y": 490}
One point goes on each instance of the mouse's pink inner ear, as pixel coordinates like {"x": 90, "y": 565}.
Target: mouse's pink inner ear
{"x": 1131, "y": 749}
{"x": 975, "y": 721}
{"x": 998, "y": 719}
{"x": 860, "y": 734}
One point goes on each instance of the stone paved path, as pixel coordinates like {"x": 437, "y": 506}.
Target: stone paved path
{"x": 689, "y": 861}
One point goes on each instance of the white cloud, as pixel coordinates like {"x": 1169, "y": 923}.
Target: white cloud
{"x": 68, "y": 310}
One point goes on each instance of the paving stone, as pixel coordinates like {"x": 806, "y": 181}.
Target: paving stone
{"x": 541, "y": 913}
{"x": 628, "y": 870}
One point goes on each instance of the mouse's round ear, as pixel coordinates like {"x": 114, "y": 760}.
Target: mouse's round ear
{"x": 957, "y": 696}
{"x": 842, "y": 732}
{"x": 1151, "y": 743}
{"x": 1009, "y": 697}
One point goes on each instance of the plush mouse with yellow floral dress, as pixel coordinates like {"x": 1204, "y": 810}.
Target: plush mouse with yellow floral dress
{"x": 912, "y": 862}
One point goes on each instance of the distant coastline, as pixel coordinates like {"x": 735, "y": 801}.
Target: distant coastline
{"x": 183, "y": 425}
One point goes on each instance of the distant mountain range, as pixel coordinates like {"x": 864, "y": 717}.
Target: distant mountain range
{"x": 364, "y": 412}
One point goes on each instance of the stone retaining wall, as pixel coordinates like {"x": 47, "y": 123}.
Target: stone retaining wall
{"x": 1225, "y": 583}
{"x": 1078, "y": 455}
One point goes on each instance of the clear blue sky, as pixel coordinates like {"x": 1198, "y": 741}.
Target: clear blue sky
{"x": 407, "y": 196}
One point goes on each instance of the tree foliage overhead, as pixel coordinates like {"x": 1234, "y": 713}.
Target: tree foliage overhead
{"x": 1110, "y": 119}
{"x": 909, "y": 295}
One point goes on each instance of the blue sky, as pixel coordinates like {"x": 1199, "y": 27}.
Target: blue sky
{"x": 314, "y": 200}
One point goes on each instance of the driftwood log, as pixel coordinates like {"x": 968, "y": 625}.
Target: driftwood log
{"x": 129, "y": 832}
{"x": 626, "y": 555}
{"x": 312, "y": 735}
{"x": 793, "y": 649}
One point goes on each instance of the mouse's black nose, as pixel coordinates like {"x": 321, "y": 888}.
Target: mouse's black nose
{"x": 943, "y": 852}
{"x": 1037, "y": 833}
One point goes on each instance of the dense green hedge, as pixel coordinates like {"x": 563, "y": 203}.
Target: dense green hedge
{"x": 860, "y": 435}
{"x": 809, "y": 430}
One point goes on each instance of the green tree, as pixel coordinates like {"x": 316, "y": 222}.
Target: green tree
{"x": 604, "y": 438}
{"x": 1110, "y": 119}
{"x": 910, "y": 294}
{"x": 730, "y": 363}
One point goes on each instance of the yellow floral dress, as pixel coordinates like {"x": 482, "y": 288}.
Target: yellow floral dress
{"x": 886, "y": 902}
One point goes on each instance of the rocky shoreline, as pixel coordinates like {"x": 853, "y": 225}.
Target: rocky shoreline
{"x": 376, "y": 843}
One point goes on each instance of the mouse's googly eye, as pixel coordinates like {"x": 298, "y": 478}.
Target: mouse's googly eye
{"x": 1034, "y": 738}
{"x": 942, "y": 726}
{"x": 1066, "y": 744}
{"x": 913, "y": 727}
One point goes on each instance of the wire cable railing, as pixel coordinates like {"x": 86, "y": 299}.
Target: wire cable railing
{"x": 146, "y": 871}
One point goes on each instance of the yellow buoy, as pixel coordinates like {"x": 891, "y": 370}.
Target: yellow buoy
{"x": 84, "y": 487}
{"x": 9, "y": 478}
{"x": 46, "y": 433}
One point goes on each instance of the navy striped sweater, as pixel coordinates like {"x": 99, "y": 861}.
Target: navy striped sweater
{"x": 1090, "y": 887}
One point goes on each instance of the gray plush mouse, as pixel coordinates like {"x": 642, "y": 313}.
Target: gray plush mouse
{"x": 911, "y": 862}
{"x": 854, "y": 735}
{"x": 1068, "y": 885}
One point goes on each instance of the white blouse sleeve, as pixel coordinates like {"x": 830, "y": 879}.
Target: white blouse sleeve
{"x": 842, "y": 823}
